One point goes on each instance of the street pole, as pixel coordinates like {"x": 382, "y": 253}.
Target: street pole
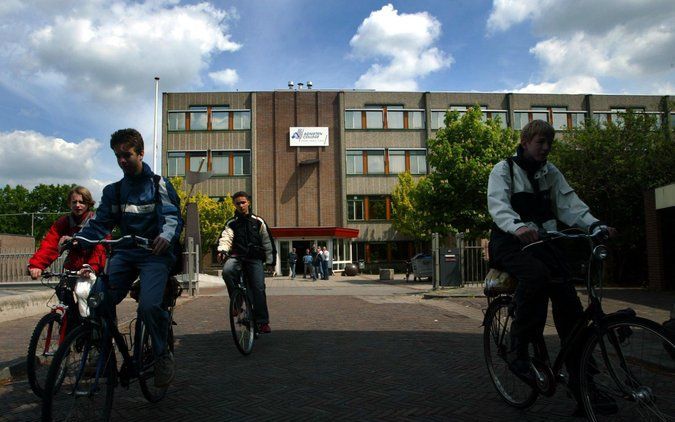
{"x": 154, "y": 136}
{"x": 435, "y": 246}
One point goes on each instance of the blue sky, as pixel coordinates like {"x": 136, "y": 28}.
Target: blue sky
{"x": 72, "y": 72}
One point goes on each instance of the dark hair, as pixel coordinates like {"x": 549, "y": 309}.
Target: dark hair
{"x": 127, "y": 136}
{"x": 239, "y": 194}
{"x": 537, "y": 127}
{"x": 84, "y": 192}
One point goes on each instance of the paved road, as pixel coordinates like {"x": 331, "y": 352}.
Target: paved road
{"x": 338, "y": 351}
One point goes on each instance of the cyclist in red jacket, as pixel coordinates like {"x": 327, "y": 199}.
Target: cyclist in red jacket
{"x": 80, "y": 203}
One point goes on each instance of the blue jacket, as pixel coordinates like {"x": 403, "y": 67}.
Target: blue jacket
{"x": 139, "y": 212}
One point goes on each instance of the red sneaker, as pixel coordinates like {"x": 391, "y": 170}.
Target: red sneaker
{"x": 264, "y": 328}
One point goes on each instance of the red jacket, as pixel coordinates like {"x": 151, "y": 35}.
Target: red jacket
{"x": 48, "y": 251}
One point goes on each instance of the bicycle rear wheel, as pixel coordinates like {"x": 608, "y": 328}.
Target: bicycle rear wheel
{"x": 81, "y": 380}
{"x": 42, "y": 346}
{"x": 242, "y": 322}
{"x": 496, "y": 345}
{"x": 628, "y": 372}
{"x": 146, "y": 361}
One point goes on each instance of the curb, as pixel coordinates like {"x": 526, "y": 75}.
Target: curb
{"x": 456, "y": 292}
{"x": 13, "y": 370}
{"x": 24, "y": 304}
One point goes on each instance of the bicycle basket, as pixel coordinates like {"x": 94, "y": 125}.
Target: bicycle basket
{"x": 499, "y": 283}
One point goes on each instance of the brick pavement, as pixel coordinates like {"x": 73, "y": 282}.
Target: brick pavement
{"x": 344, "y": 357}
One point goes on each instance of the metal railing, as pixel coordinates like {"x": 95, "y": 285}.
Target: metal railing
{"x": 473, "y": 264}
{"x": 13, "y": 267}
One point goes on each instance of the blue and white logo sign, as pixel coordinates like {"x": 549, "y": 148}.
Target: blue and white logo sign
{"x": 308, "y": 136}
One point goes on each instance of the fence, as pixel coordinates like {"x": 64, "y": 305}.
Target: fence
{"x": 474, "y": 264}
{"x": 13, "y": 267}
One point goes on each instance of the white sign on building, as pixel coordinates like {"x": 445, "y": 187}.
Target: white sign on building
{"x": 308, "y": 136}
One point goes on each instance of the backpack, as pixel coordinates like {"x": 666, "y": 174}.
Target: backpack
{"x": 177, "y": 247}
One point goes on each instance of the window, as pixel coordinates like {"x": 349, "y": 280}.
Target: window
{"x": 352, "y": 119}
{"x": 242, "y": 163}
{"x": 378, "y": 252}
{"x": 355, "y": 208}
{"x": 384, "y": 117}
{"x": 375, "y": 162}
{"x": 559, "y": 118}
{"x": 176, "y": 120}
{"x": 540, "y": 113}
{"x": 396, "y": 161}
{"x": 415, "y": 120}
{"x": 196, "y": 158}
{"x": 241, "y": 120}
{"x": 198, "y": 118}
{"x": 501, "y": 115}
{"x": 354, "y": 162}
{"x": 219, "y": 117}
{"x": 374, "y": 119}
{"x": 395, "y": 117}
{"x": 520, "y": 119}
{"x": 176, "y": 164}
{"x": 437, "y": 119}
{"x": 418, "y": 162}
{"x": 220, "y": 163}
{"x": 377, "y": 208}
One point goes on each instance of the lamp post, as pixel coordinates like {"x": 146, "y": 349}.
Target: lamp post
{"x": 154, "y": 135}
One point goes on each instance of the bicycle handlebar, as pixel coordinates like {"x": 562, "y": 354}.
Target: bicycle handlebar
{"x": 140, "y": 241}
{"x": 599, "y": 234}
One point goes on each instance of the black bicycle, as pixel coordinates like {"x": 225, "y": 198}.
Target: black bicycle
{"x": 83, "y": 375}
{"x": 52, "y": 328}
{"x": 627, "y": 363}
{"x": 242, "y": 318}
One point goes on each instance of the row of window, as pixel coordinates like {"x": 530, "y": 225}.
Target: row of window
{"x": 221, "y": 163}
{"x": 369, "y": 207}
{"x": 198, "y": 118}
{"x": 386, "y": 161}
{"x": 384, "y": 117}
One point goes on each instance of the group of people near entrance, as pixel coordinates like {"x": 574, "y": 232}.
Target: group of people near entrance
{"x": 316, "y": 263}
{"x": 526, "y": 194}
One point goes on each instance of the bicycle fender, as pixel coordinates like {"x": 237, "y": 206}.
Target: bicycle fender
{"x": 498, "y": 301}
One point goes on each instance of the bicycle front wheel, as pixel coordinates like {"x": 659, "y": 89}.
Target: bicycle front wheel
{"x": 81, "y": 380}
{"x": 496, "y": 346}
{"x": 41, "y": 349}
{"x": 146, "y": 361}
{"x": 628, "y": 372}
{"x": 242, "y": 322}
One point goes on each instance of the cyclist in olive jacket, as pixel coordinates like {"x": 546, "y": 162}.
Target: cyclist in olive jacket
{"x": 248, "y": 240}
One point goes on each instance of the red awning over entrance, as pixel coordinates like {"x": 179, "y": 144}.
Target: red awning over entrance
{"x": 313, "y": 232}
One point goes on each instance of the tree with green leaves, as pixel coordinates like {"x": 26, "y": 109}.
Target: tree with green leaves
{"x": 452, "y": 197}
{"x": 611, "y": 166}
{"x": 212, "y": 214}
{"x": 407, "y": 219}
{"x": 50, "y": 200}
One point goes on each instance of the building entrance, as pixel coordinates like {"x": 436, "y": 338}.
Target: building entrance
{"x": 301, "y": 247}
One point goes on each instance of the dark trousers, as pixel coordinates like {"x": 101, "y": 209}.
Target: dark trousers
{"x": 253, "y": 268}
{"x": 542, "y": 273}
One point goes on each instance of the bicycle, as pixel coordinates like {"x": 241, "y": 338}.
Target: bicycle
{"x": 52, "y": 328}
{"x": 242, "y": 317}
{"x": 83, "y": 375}
{"x": 626, "y": 367}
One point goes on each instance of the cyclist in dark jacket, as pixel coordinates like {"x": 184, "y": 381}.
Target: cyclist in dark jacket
{"x": 142, "y": 207}
{"x": 247, "y": 238}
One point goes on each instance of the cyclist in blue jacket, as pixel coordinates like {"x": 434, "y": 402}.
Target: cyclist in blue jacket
{"x": 145, "y": 205}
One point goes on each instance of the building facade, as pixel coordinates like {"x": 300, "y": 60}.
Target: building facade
{"x": 320, "y": 165}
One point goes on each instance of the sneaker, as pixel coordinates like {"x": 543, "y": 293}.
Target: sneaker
{"x": 165, "y": 370}
{"x": 264, "y": 328}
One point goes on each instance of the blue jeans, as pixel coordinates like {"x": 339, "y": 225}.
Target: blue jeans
{"x": 123, "y": 268}
{"x": 253, "y": 269}
{"x": 292, "y": 267}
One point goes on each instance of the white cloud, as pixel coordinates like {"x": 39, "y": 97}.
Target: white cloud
{"x": 227, "y": 77}
{"x": 29, "y": 158}
{"x": 405, "y": 42}
{"x": 614, "y": 42}
{"x": 569, "y": 85}
{"x": 109, "y": 50}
